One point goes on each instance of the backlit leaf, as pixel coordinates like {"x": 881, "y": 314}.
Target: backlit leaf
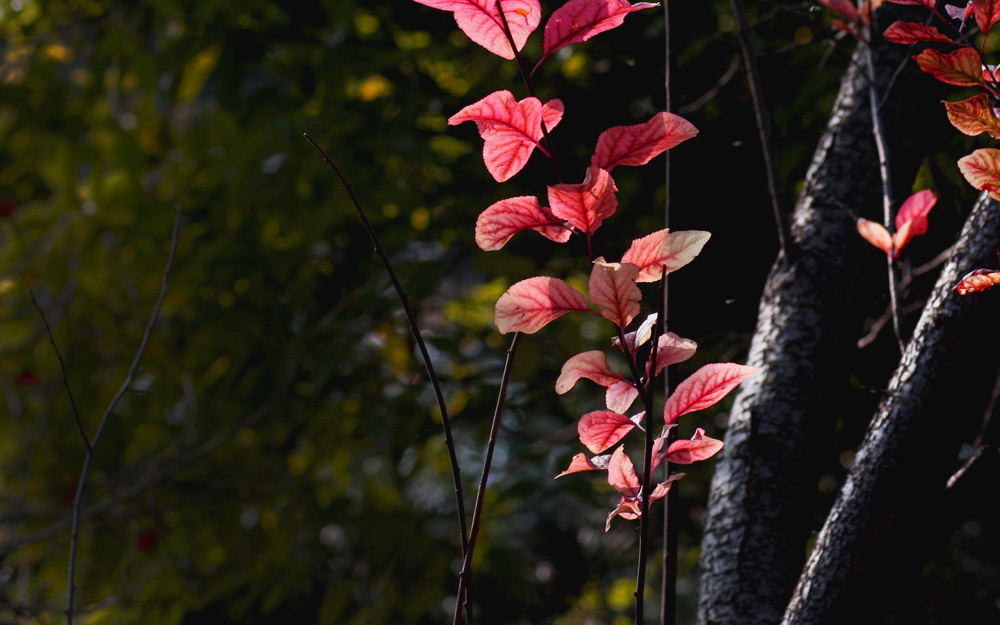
{"x": 531, "y": 304}
{"x": 585, "y": 206}
{"x": 672, "y": 349}
{"x": 698, "y": 447}
{"x": 667, "y": 249}
{"x": 581, "y": 462}
{"x": 614, "y": 291}
{"x": 510, "y": 129}
{"x": 621, "y": 474}
{"x": 579, "y": 20}
{"x": 601, "y": 429}
{"x": 637, "y": 145}
{"x": 704, "y": 388}
{"x": 974, "y": 116}
{"x": 620, "y": 396}
{"x": 844, "y": 7}
{"x": 911, "y": 220}
{"x": 502, "y": 220}
{"x": 987, "y": 13}
{"x": 978, "y": 280}
{"x": 910, "y": 32}
{"x": 480, "y": 20}
{"x": 876, "y": 234}
{"x": 963, "y": 67}
{"x": 982, "y": 170}
{"x": 592, "y": 365}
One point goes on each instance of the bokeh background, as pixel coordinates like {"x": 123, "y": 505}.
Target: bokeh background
{"x": 280, "y": 456}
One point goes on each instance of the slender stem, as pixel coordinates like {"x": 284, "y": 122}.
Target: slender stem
{"x": 62, "y": 369}
{"x": 129, "y": 378}
{"x": 764, "y": 127}
{"x": 881, "y": 145}
{"x": 466, "y": 574}
{"x": 411, "y": 318}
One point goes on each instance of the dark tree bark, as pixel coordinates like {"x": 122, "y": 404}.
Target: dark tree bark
{"x": 890, "y": 511}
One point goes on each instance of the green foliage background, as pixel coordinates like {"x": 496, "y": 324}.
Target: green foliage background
{"x": 281, "y": 457}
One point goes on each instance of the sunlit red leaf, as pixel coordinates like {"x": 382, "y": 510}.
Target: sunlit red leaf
{"x": 844, "y": 7}
{"x": 585, "y": 206}
{"x": 637, "y": 145}
{"x": 982, "y": 170}
{"x": 601, "y": 429}
{"x": 672, "y": 349}
{"x": 876, "y": 234}
{"x": 974, "y": 116}
{"x": 698, "y": 447}
{"x": 987, "y": 13}
{"x": 531, "y": 304}
{"x": 978, "y": 280}
{"x": 620, "y": 395}
{"x": 704, "y": 388}
{"x": 581, "y": 462}
{"x": 963, "y": 67}
{"x": 663, "y": 248}
{"x": 510, "y": 129}
{"x": 663, "y": 488}
{"x": 502, "y": 220}
{"x": 911, "y": 220}
{"x": 579, "y": 20}
{"x": 592, "y": 365}
{"x": 628, "y": 509}
{"x": 910, "y": 32}
{"x": 614, "y": 291}
{"x": 621, "y": 474}
{"x": 480, "y": 20}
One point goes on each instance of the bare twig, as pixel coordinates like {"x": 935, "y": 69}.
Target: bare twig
{"x": 465, "y": 577}
{"x": 415, "y": 331}
{"x": 709, "y": 95}
{"x": 129, "y": 378}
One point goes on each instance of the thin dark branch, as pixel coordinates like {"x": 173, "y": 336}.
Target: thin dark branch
{"x": 411, "y": 318}
{"x": 129, "y": 378}
{"x": 465, "y": 577}
{"x": 62, "y": 370}
{"x": 709, "y": 95}
{"x": 764, "y": 127}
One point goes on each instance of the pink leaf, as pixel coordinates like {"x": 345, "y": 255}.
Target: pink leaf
{"x": 911, "y": 220}
{"x": 699, "y": 447}
{"x": 621, "y": 474}
{"x": 924, "y": 3}
{"x": 502, "y": 220}
{"x": 963, "y": 67}
{"x": 614, "y": 291}
{"x": 982, "y": 170}
{"x": 640, "y": 336}
{"x": 585, "y": 206}
{"x": 510, "y": 129}
{"x": 628, "y": 509}
{"x": 592, "y": 365}
{"x": 532, "y": 304}
{"x": 579, "y": 20}
{"x": 637, "y": 145}
{"x": 663, "y": 248}
{"x": 704, "y": 388}
{"x": 910, "y": 33}
{"x": 844, "y": 7}
{"x": 580, "y": 462}
{"x": 876, "y": 234}
{"x": 671, "y": 350}
{"x": 620, "y": 395}
{"x": 663, "y": 488}
{"x": 603, "y": 428}
{"x": 480, "y": 20}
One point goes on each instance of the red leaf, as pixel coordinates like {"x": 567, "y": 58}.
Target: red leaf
{"x": 628, "y": 509}
{"x": 663, "y": 488}
{"x": 621, "y": 474}
{"x": 987, "y": 13}
{"x": 579, "y": 20}
{"x": 637, "y": 145}
{"x": 876, "y": 234}
{"x": 982, "y": 170}
{"x": 502, "y": 220}
{"x": 844, "y": 7}
{"x": 603, "y": 428}
{"x": 532, "y": 304}
{"x": 663, "y": 248}
{"x": 592, "y": 365}
{"x": 580, "y": 462}
{"x": 910, "y": 32}
{"x": 911, "y": 220}
{"x": 974, "y": 116}
{"x": 963, "y": 67}
{"x": 480, "y": 20}
{"x": 924, "y": 3}
{"x": 704, "y": 388}
{"x": 978, "y": 280}
{"x": 640, "y": 336}
{"x": 585, "y": 206}
{"x": 614, "y": 291}
{"x": 620, "y": 395}
{"x": 510, "y": 129}
{"x": 699, "y": 447}
{"x": 671, "y": 350}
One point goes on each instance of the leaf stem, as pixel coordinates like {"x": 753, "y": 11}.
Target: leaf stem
{"x": 411, "y": 318}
